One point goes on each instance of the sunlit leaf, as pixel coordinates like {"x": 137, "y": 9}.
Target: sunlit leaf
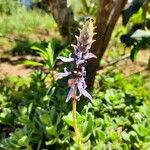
{"x": 32, "y": 63}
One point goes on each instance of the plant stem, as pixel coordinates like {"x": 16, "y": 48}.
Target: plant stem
{"x": 74, "y": 103}
{"x": 77, "y": 133}
{"x": 39, "y": 145}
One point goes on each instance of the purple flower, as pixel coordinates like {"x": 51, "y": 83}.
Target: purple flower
{"x": 80, "y": 85}
{"x": 81, "y": 50}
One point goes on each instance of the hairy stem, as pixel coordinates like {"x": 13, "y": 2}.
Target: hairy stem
{"x": 77, "y": 133}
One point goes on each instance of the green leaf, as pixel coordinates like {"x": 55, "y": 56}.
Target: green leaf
{"x": 141, "y": 130}
{"x": 52, "y": 130}
{"x": 132, "y": 9}
{"x": 36, "y": 48}
{"x": 125, "y": 146}
{"x": 45, "y": 119}
{"x": 100, "y": 135}
{"x": 88, "y": 125}
{"x": 22, "y": 110}
{"x": 23, "y": 141}
{"x": 24, "y": 119}
{"x": 133, "y": 136}
{"x": 134, "y": 52}
{"x": 50, "y": 52}
{"x": 146, "y": 146}
{"x": 65, "y": 52}
{"x": 51, "y": 142}
{"x": 5, "y": 115}
{"x": 47, "y": 54}
{"x": 100, "y": 146}
{"x": 139, "y": 34}
{"x": 125, "y": 136}
{"x": 113, "y": 135}
{"x": 32, "y": 63}
{"x": 30, "y": 107}
{"x": 69, "y": 118}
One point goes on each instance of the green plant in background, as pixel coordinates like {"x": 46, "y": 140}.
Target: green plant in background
{"x": 138, "y": 36}
{"x": 142, "y": 41}
{"x": 8, "y": 7}
{"x": 46, "y": 54}
{"x": 16, "y": 19}
{"x": 117, "y": 117}
{"x": 21, "y": 28}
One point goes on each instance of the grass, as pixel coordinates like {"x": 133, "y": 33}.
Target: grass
{"x": 23, "y": 21}
{"x": 18, "y": 25}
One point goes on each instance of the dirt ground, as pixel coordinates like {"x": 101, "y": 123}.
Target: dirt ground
{"x": 9, "y": 67}
{"x": 11, "y": 64}
{"x": 140, "y": 65}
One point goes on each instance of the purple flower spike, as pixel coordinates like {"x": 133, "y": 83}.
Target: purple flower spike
{"x": 81, "y": 50}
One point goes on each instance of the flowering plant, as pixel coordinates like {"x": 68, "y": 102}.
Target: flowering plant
{"x": 77, "y": 83}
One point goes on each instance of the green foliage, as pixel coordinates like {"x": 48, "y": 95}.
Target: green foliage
{"x": 8, "y": 7}
{"x": 34, "y": 114}
{"x": 142, "y": 40}
{"x": 46, "y": 54}
{"x": 131, "y": 10}
{"x": 138, "y": 36}
{"x": 83, "y": 8}
{"x": 22, "y": 28}
{"x": 16, "y": 19}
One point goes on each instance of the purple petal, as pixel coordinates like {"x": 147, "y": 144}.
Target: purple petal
{"x": 76, "y": 37}
{"x": 82, "y": 91}
{"x": 88, "y": 46}
{"x": 82, "y": 81}
{"x": 60, "y": 75}
{"x": 81, "y": 87}
{"x": 70, "y": 94}
{"x": 89, "y": 56}
{"x": 66, "y": 73}
{"x": 86, "y": 94}
{"x": 83, "y": 71}
{"x": 75, "y": 48}
{"x": 79, "y": 55}
{"x": 80, "y": 61}
{"x": 64, "y": 59}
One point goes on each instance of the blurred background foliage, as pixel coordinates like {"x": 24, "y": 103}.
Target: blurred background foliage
{"x": 33, "y": 112}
